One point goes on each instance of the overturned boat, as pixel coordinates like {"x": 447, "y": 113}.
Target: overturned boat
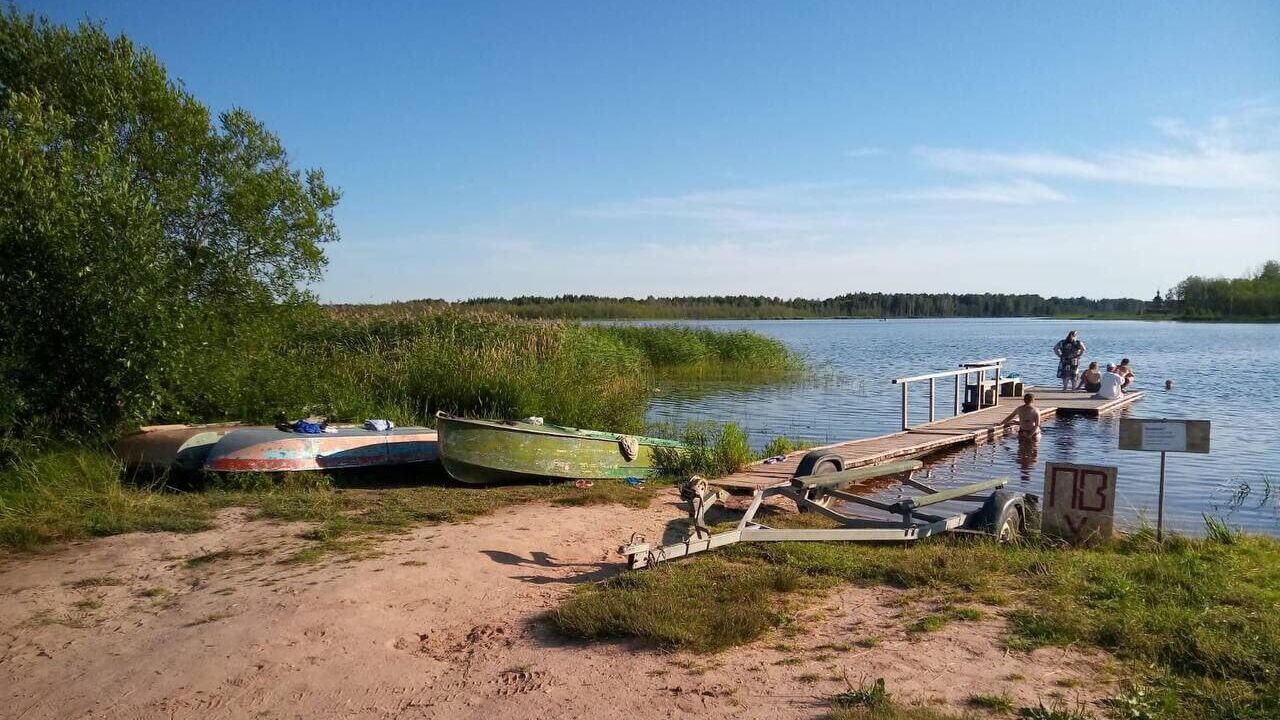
{"x": 164, "y": 447}
{"x": 269, "y": 449}
{"x": 493, "y": 451}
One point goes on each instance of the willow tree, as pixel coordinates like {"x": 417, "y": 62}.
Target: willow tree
{"x": 132, "y": 223}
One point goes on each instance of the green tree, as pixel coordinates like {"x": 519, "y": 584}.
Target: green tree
{"x": 131, "y": 222}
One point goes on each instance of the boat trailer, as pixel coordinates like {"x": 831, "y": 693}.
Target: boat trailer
{"x": 1000, "y": 513}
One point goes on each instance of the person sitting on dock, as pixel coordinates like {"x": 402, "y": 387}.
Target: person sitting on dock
{"x": 1090, "y": 379}
{"x": 1112, "y": 382}
{"x": 1125, "y": 370}
{"x": 1027, "y": 416}
{"x": 1069, "y": 351}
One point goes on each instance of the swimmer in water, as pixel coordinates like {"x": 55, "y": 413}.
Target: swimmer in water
{"x": 1027, "y": 417}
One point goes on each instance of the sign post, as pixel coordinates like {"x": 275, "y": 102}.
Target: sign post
{"x": 1164, "y": 436}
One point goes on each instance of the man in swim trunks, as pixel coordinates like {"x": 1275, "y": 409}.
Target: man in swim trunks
{"x": 1027, "y": 416}
{"x": 1125, "y": 370}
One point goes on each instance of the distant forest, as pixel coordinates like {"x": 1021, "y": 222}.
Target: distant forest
{"x": 1254, "y": 297}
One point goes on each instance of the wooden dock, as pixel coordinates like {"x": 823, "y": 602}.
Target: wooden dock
{"x": 967, "y": 429}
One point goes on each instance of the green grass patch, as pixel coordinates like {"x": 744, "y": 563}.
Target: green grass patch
{"x": 1196, "y": 619}
{"x": 708, "y": 606}
{"x": 80, "y": 492}
{"x": 997, "y": 703}
{"x": 711, "y": 451}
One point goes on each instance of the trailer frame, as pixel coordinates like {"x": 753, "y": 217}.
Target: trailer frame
{"x": 999, "y": 513}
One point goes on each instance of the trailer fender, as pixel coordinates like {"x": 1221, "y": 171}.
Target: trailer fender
{"x": 1003, "y": 516}
{"x": 818, "y": 462}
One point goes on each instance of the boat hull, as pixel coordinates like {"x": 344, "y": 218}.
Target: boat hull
{"x": 159, "y": 447}
{"x": 482, "y": 452}
{"x": 267, "y": 449}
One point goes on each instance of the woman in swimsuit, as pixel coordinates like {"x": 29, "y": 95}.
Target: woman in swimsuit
{"x": 1091, "y": 379}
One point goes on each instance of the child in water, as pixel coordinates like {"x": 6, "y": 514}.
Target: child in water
{"x": 1027, "y": 417}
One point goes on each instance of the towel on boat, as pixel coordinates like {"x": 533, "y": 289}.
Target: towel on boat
{"x": 379, "y": 425}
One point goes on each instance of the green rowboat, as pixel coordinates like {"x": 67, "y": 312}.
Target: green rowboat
{"x": 481, "y": 452}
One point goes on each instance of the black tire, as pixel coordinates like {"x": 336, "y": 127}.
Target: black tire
{"x": 810, "y": 463}
{"x": 823, "y": 466}
{"x": 1008, "y": 519}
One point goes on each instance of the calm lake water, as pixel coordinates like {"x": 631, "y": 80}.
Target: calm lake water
{"x": 1228, "y": 374}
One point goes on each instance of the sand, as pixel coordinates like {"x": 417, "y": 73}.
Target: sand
{"x": 447, "y": 622}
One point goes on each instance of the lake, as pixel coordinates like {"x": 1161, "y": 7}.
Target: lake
{"x": 1226, "y": 373}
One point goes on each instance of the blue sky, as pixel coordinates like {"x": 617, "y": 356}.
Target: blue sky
{"x": 781, "y": 148}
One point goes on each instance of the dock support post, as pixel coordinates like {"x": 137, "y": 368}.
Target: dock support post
{"x": 904, "y": 405}
{"x": 931, "y": 389}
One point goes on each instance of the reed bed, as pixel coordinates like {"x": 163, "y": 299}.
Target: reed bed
{"x": 349, "y": 367}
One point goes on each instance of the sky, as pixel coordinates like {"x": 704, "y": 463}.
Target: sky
{"x": 789, "y": 149}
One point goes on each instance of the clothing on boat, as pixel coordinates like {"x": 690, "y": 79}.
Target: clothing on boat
{"x": 1070, "y": 352}
{"x": 307, "y": 427}
{"x": 1110, "y": 387}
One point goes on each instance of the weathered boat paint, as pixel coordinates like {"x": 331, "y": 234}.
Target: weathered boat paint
{"x": 488, "y": 451}
{"x": 267, "y": 449}
{"x": 184, "y": 447}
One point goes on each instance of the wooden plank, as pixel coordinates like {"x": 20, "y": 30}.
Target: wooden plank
{"x": 968, "y": 429}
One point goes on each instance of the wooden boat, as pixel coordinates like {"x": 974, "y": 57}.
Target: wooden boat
{"x": 160, "y": 447}
{"x": 493, "y": 451}
{"x": 268, "y": 449}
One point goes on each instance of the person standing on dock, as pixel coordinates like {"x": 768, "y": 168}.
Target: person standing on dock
{"x": 1069, "y": 351}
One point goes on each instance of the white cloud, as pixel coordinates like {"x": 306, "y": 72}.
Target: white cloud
{"x": 1017, "y": 192}
{"x": 1239, "y": 151}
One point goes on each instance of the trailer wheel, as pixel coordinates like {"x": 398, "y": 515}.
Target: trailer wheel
{"x": 1009, "y": 524}
{"x": 823, "y": 466}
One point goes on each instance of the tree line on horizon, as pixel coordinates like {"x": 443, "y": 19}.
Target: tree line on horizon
{"x": 748, "y": 307}
{"x": 1255, "y": 296}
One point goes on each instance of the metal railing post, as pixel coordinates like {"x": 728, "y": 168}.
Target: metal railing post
{"x": 904, "y": 405}
{"x": 931, "y": 389}
{"x": 957, "y": 397}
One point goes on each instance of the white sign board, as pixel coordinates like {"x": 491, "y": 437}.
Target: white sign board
{"x": 1079, "y": 501}
{"x": 1164, "y": 436}
{"x": 1179, "y": 436}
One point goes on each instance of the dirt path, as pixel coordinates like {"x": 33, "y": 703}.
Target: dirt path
{"x": 443, "y": 624}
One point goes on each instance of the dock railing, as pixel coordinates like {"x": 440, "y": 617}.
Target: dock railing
{"x": 979, "y": 368}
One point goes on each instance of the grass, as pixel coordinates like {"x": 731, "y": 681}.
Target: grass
{"x": 1195, "y": 619}
{"x": 711, "y": 605}
{"x": 714, "y": 450}
{"x": 78, "y": 492}
{"x": 679, "y": 351}
{"x": 402, "y": 366}
{"x": 997, "y": 703}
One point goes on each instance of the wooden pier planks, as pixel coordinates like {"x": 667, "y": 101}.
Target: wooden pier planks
{"x": 967, "y": 429}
